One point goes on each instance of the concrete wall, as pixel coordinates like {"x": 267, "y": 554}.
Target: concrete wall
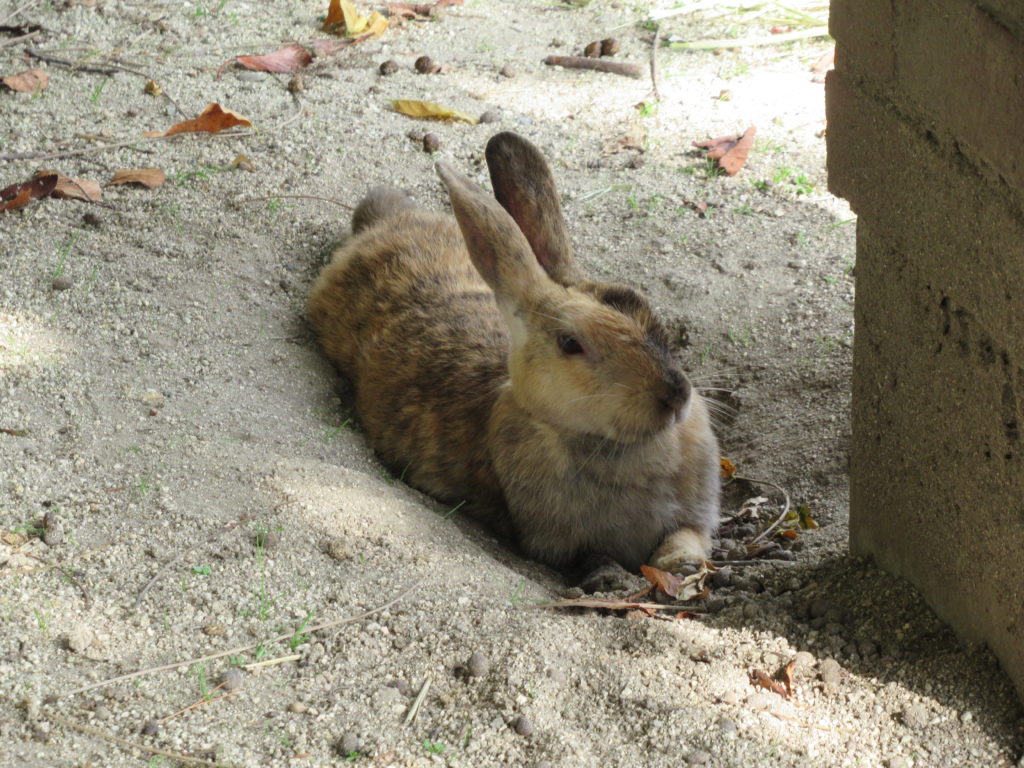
{"x": 926, "y": 141}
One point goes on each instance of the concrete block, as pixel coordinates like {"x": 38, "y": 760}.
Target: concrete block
{"x": 864, "y": 31}
{"x": 937, "y": 470}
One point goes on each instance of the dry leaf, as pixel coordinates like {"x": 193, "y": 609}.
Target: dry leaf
{"x": 806, "y": 518}
{"x": 419, "y": 10}
{"x": 663, "y": 580}
{"x": 692, "y": 587}
{"x": 414, "y": 108}
{"x": 76, "y": 189}
{"x": 344, "y": 19}
{"x": 761, "y": 679}
{"x": 18, "y": 195}
{"x": 150, "y": 178}
{"x": 29, "y": 81}
{"x": 152, "y": 87}
{"x": 288, "y": 59}
{"x": 728, "y": 468}
{"x": 789, "y": 533}
{"x": 785, "y": 675}
{"x": 14, "y": 432}
{"x": 213, "y": 119}
{"x": 730, "y": 152}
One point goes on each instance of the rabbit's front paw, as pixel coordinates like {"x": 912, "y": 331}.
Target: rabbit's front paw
{"x": 686, "y": 545}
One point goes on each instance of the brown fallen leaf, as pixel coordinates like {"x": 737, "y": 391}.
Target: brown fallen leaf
{"x": 29, "y": 81}
{"x": 420, "y": 10}
{"x": 760, "y": 678}
{"x": 18, "y": 195}
{"x": 76, "y": 189}
{"x": 213, "y": 119}
{"x": 344, "y": 19}
{"x": 289, "y": 59}
{"x": 665, "y": 582}
{"x": 786, "y": 675}
{"x": 730, "y": 152}
{"x": 150, "y": 178}
{"x": 14, "y": 432}
{"x": 728, "y": 468}
{"x": 789, "y": 533}
{"x": 429, "y": 109}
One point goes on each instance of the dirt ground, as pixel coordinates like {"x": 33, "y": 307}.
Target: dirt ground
{"x": 183, "y": 493}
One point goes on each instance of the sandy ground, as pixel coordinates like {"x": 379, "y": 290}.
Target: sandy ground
{"x": 180, "y": 477}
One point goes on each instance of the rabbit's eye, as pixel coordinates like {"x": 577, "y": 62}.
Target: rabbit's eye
{"x": 569, "y": 345}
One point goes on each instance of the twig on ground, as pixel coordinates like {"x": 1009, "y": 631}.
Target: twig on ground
{"x": 110, "y": 70}
{"x": 22, "y": 38}
{"x": 129, "y": 744}
{"x": 782, "y": 515}
{"x": 755, "y": 561}
{"x": 199, "y": 702}
{"x": 234, "y": 651}
{"x": 743, "y": 42}
{"x": 174, "y": 560}
{"x": 418, "y": 702}
{"x": 625, "y": 68}
{"x": 654, "y": 61}
{"x": 272, "y": 662}
{"x": 16, "y": 11}
{"x": 299, "y": 197}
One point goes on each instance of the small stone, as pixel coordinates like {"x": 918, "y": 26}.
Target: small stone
{"x": 804, "y": 660}
{"x": 431, "y": 143}
{"x": 349, "y": 743}
{"x": 714, "y": 604}
{"x": 731, "y": 698}
{"x": 490, "y": 116}
{"x": 153, "y": 398}
{"x": 427, "y": 66}
{"x": 796, "y": 263}
{"x": 592, "y": 50}
{"x": 572, "y": 593}
{"x": 751, "y": 610}
{"x": 830, "y": 671}
{"x": 53, "y": 533}
{"x": 215, "y": 630}
{"x": 609, "y": 47}
{"x": 785, "y": 554}
{"x": 522, "y": 726}
{"x": 337, "y": 549}
{"x": 897, "y": 762}
{"x": 297, "y": 84}
{"x": 697, "y": 757}
{"x": 915, "y": 716}
{"x": 967, "y": 716}
{"x": 150, "y": 728}
{"x": 102, "y": 712}
{"x": 388, "y": 67}
{"x": 737, "y": 553}
{"x": 415, "y": 134}
{"x": 61, "y": 283}
{"x": 298, "y": 708}
{"x": 507, "y": 71}
{"x": 80, "y": 638}
{"x": 400, "y": 685}
{"x": 232, "y": 680}
{"x": 727, "y": 726}
{"x": 760, "y": 701}
{"x": 478, "y": 665}
{"x": 90, "y": 219}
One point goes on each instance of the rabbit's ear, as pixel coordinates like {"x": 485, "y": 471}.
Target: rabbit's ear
{"x": 499, "y": 250}
{"x": 525, "y": 188}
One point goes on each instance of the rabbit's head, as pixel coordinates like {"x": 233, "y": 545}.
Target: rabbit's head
{"x": 586, "y": 358}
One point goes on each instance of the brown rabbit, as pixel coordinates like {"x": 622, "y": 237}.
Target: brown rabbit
{"x": 488, "y": 370}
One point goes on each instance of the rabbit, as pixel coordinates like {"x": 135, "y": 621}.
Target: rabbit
{"x": 488, "y": 370}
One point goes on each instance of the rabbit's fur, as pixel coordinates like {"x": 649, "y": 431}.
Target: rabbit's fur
{"x": 499, "y": 376}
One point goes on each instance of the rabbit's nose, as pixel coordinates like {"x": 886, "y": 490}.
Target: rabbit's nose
{"x": 675, "y": 391}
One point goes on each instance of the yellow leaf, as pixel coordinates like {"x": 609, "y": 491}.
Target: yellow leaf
{"x": 728, "y": 468}
{"x": 354, "y": 23}
{"x": 376, "y": 25}
{"x": 414, "y": 108}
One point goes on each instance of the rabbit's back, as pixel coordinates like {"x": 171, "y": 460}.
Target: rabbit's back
{"x": 403, "y": 313}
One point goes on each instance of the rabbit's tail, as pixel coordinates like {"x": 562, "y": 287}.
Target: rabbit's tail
{"x": 378, "y": 204}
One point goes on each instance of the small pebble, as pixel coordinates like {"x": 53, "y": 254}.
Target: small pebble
{"x": 760, "y": 701}
{"x": 388, "y": 67}
{"x": 102, "y": 712}
{"x": 592, "y": 50}
{"x": 490, "y": 116}
{"x": 298, "y": 707}
{"x": 80, "y": 638}
{"x": 232, "y": 680}
{"x": 609, "y": 46}
{"x": 726, "y": 726}
{"x": 897, "y": 762}
{"x": 967, "y": 716}
{"x": 338, "y": 549}
{"x": 830, "y": 671}
{"x": 297, "y": 84}
{"x": 61, "y": 283}
{"x": 731, "y": 698}
{"x": 507, "y": 71}
{"x": 431, "y": 143}
{"x": 697, "y": 757}
{"x": 915, "y": 716}
{"x": 349, "y": 743}
{"x": 400, "y": 685}
{"x": 92, "y": 220}
{"x": 478, "y": 665}
{"x": 215, "y": 630}
{"x": 522, "y": 726}
{"x": 804, "y": 660}
{"x": 796, "y": 263}
{"x": 784, "y": 554}
{"x": 150, "y": 728}
{"x": 427, "y": 66}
